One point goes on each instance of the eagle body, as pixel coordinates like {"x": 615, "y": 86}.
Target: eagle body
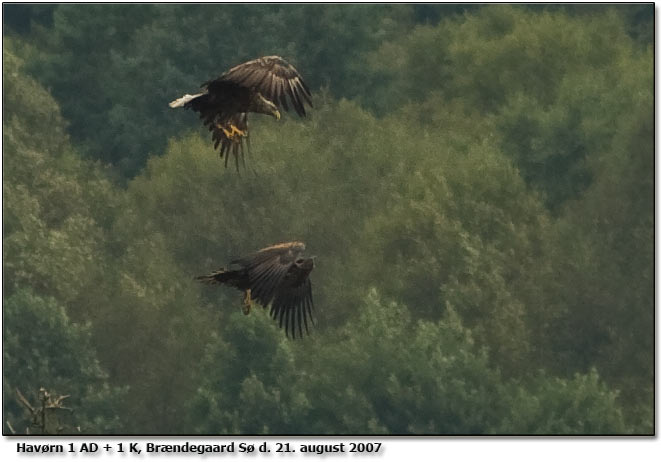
{"x": 233, "y": 278}
{"x": 226, "y": 99}
{"x": 277, "y": 276}
{"x": 261, "y": 86}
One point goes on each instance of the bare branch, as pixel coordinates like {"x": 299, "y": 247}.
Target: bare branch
{"x": 25, "y": 402}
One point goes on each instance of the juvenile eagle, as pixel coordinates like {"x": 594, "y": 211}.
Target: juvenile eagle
{"x": 278, "y": 275}
{"x": 262, "y": 85}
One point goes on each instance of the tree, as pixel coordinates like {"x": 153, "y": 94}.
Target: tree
{"x": 131, "y": 60}
{"x": 43, "y": 348}
{"x": 604, "y": 289}
{"x": 383, "y": 372}
{"x": 493, "y": 212}
{"x": 553, "y": 82}
{"x": 55, "y": 204}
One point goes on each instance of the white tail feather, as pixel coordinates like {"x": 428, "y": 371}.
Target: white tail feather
{"x": 180, "y": 102}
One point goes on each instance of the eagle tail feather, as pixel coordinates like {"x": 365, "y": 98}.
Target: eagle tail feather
{"x": 181, "y": 102}
{"x": 222, "y": 276}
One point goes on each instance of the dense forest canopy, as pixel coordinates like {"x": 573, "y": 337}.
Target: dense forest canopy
{"x": 476, "y": 181}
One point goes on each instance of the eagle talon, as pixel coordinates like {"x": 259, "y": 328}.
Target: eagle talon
{"x": 227, "y": 132}
{"x": 236, "y": 130}
{"x": 273, "y": 82}
{"x": 230, "y": 134}
{"x": 288, "y": 291}
{"x": 247, "y": 302}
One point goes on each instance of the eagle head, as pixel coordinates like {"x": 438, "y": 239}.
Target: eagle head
{"x": 302, "y": 268}
{"x": 305, "y": 264}
{"x": 263, "y": 106}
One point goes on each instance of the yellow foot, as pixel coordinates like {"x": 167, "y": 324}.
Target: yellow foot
{"x": 247, "y": 302}
{"x": 234, "y": 131}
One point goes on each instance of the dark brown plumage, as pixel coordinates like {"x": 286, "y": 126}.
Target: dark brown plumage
{"x": 262, "y": 85}
{"x": 277, "y": 275}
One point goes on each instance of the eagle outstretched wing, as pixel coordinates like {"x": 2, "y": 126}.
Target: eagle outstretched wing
{"x": 275, "y": 79}
{"x": 274, "y": 279}
{"x": 261, "y": 86}
{"x": 267, "y": 268}
{"x": 293, "y": 305}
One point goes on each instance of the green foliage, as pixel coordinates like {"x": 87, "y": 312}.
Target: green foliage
{"x": 154, "y": 47}
{"x": 604, "y": 245}
{"x": 554, "y": 406}
{"x": 490, "y": 57}
{"x": 377, "y": 375}
{"x": 248, "y": 385}
{"x": 19, "y": 17}
{"x": 42, "y": 347}
{"x": 54, "y": 201}
{"x": 556, "y": 84}
{"x": 151, "y": 330}
{"x": 58, "y": 240}
{"x": 494, "y": 212}
{"x": 389, "y": 365}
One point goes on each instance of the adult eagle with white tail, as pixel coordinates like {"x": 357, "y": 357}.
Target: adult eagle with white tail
{"x": 262, "y": 85}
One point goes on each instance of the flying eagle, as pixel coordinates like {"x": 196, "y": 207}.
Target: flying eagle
{"x": 276, "y": 275}
{"x": 262, "y": 85}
